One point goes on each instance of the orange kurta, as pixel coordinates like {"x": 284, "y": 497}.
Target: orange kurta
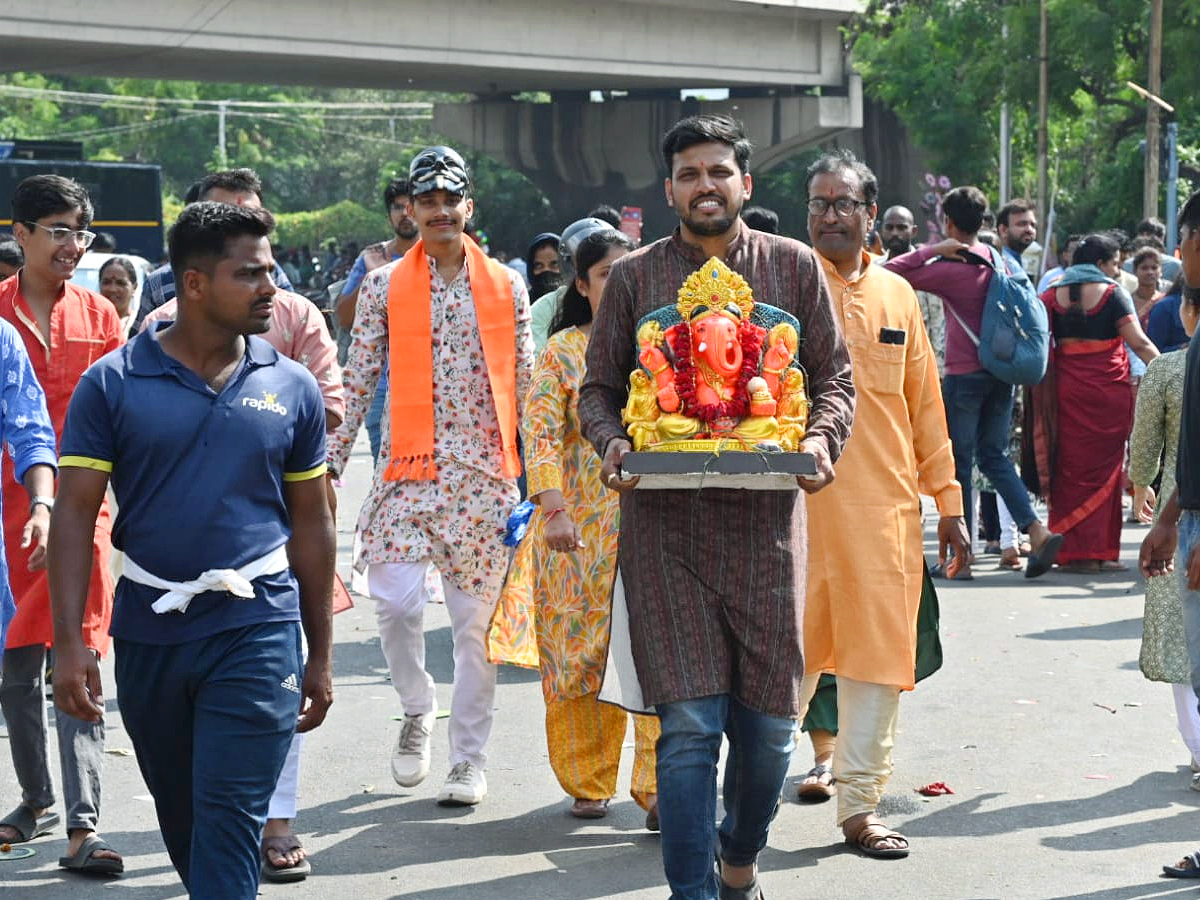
{"x": 83, "y": 327}
{"x": 865, "y": 534}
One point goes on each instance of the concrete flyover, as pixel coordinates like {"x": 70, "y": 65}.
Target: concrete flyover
{"x": 478, "y": 46}
{"x": 782, "y": 62}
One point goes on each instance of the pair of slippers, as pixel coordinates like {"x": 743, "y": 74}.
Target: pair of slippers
{"x": 282, "y": 844}
{"x": 29, "y": 825}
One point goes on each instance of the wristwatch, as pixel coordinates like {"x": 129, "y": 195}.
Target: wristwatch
{"x": 39, "y": 500}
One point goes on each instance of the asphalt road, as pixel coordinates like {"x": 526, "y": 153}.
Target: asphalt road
{"x": 1069, "y": 778}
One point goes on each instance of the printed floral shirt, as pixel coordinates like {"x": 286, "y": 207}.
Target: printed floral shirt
{"x": 396, "y": 516}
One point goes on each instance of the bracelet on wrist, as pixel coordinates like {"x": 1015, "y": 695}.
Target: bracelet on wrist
{"x": 551, "y": 513}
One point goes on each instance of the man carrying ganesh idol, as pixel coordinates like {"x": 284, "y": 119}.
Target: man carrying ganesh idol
{"x": 714, "y": 580}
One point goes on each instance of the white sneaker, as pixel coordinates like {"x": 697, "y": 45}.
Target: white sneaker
{"x": 465, "y": 786}
{"x": 410, "y": 759}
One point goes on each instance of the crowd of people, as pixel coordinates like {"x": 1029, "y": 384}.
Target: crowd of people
{"x": 218, "y": 401}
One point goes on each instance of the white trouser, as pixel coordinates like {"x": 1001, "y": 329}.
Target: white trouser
{"x": 1188, "y": 716}
{"x": 287, "y": 787}
{"x": 400, "y": 596}
{"x": 1010, "y": 535}
{"x": 862, "y": 761}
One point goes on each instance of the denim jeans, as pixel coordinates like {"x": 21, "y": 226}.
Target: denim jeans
{"x": 760, "y": 749}
{"x": 374, "y": 417}
{"x": 979, "y": 416}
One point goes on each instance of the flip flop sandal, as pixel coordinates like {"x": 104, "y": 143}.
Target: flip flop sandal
{"x": 1040, "y": 562}
{"x": 85, "y": 860}
{"x": 27, "y": 825}
{"x": 818, "y": 791}
{"x": 589, "y": 809}
{"x": 282, "y": 844}
{"x": 1113, "y": 566}
{"x": 871, "y": 835}
{"x": 1189, "y": 869}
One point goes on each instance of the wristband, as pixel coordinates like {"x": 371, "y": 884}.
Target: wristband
{"x": 554, "y": 512}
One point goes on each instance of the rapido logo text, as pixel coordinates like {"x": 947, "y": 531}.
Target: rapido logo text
{"x": 267, "y": 404}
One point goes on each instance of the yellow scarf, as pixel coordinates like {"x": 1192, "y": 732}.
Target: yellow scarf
{"x": 410, "y": 345}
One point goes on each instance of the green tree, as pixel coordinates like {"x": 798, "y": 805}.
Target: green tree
{"x": 945, "y": 67}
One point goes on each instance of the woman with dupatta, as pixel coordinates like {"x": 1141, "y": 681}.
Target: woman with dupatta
{"x": 562, "y": 576}
{"x": 1082, "y": 410}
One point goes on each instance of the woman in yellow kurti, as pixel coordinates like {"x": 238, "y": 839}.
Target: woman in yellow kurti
{"x": 564, "y": 569}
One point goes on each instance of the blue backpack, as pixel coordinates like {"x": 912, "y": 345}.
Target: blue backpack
{"x": 1014, "y": 340}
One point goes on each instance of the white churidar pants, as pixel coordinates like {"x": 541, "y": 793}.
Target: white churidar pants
{"x": 400, "y": 595}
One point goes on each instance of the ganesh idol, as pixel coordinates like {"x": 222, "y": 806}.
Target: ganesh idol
{"x": 717, "y": 371}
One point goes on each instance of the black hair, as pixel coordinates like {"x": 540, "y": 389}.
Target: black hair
{"x": 39, "y": 196}
{"x": 574, "y": 310}
{"x": 1152, "y": 226}
{"x": 11, "y": 253}
{"x": 1011, "y": 208}
{"x": 104, "y": 242}
{"x": 200, "y": 236}
{"x": 1147, "y": 252}
{"x": 606, "y": 213}
{"x": 761, "y": 219}
{"x": 1095, "y": 249}
{"x": 236, "y": 181}
{"x": 965, "y": 206}
{"x": 193, "y": 193}
{"x": 842, "y": 160}
{"x": 1190, "y": 214}
{"x": 397, "y": 187}
{"x": 707, "y": 129}
{"x": 1142, "y": 241}
{"x": 124, "y": 263}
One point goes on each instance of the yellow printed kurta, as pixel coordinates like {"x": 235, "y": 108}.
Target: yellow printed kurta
{"x": 567, "y": 595}
{"x": 865, "y": 532}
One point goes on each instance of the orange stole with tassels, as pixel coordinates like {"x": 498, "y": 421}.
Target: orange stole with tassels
{"x": 410, "y": 346}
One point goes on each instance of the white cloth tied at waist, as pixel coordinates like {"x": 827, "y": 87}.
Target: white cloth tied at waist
{"x": 236, "y": 581}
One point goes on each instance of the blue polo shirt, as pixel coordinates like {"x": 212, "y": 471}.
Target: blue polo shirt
{"x": 198, "y": 476}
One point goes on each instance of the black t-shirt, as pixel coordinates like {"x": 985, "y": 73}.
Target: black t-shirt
{"x": 1187, "y": 461}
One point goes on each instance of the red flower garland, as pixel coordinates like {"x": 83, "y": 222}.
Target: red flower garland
{"x": 736, "y": 407}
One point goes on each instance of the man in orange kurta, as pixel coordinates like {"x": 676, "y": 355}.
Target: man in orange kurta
{"x": 65, "y": 329}
{"x": 864, "y": 583}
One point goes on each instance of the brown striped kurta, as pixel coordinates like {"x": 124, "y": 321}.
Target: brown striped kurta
{"x": 715, "y": 579}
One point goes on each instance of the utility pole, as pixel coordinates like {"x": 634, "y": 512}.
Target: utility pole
{"x": 1043, "y": 104}
{"x": 1150, "y": 190}
{"x": 1005, "y": 135}
{"x": 222, "y": 158}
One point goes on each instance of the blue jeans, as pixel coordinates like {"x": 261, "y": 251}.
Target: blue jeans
{"x": 211, "y": 722}
{"x": 760, "y": 749}
{"x": 979, "y": 417}
{"x": 374, "y": 417}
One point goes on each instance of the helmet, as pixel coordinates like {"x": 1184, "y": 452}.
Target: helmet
{"x": 573, "y": 236}
{"x": 438, "y": 168}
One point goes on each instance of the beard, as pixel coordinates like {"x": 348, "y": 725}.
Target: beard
{"x": 543, "y": 283}
{"x": 407, "y": 229}
{"x": 1019, "y": 245}
{"x": 711, "y": 227}
{"x": 896, "y": 246}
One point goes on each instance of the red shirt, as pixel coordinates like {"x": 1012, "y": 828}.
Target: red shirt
{"x": 83, "y": 327}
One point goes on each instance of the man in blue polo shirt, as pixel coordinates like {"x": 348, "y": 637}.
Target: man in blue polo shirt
{"x": 215, "y": 445}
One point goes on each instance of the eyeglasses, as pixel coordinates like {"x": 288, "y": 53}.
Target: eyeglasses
{"x": 843, "y": 206}
{"x": 62, "y": 235}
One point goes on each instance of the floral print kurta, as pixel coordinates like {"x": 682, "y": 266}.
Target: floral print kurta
{"x": 566, "y": 595}
{"x": 1164, "y": 655}
{"x": 458, "y": 520}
